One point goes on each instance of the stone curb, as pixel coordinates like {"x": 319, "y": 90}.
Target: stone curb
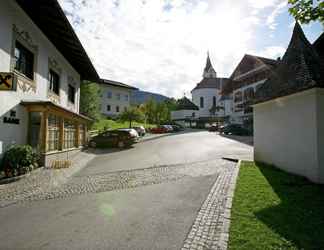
{"x": 224, "y": 238}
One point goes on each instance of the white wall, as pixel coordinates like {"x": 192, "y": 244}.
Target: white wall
{"x": 11, "y": 14}
{"x": 287, "y": 133}
{"x": 113, "y": 101}
{"x": 182, "y": 114}
{"x": 207, "y": 94}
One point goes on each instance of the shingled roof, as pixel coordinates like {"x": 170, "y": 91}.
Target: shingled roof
{"x": 185, "y": 104}
{"x": 300, "y": 69}
{"x": 211, "y": 83}
{"x": 117, "y": 84}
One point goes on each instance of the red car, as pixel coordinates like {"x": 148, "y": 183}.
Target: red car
{"x": 158, "y": 130}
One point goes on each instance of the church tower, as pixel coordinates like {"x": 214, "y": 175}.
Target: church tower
{"x": 209, "y": 71}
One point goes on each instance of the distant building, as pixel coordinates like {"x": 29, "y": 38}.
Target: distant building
{"x": 207, "y": 94}
{"x": 42, "y": 63}
{"x": 115, "y": 97}
{"x": 186, "y": 113}
{"x": 248, "y": 76}
{"x": 289, "y": 111}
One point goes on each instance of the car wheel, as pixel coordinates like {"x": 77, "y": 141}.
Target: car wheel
{"x": 93, "y": 144}
{"x": 121, "y": 144}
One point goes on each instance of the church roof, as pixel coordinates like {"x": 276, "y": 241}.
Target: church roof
{"x": 185, "y": 104}
{"x": 208, "y": 64}
{"x": 211, "y": 83}
{"x": 301, "y": 68}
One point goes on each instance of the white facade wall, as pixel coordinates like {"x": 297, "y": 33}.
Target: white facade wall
{"x": 207, "y": 94}
{"x": 123, "y": 102}
{"x": 12, "y": 15}
{"x": 288, "y": 133}
{"x": 183, "y": 114}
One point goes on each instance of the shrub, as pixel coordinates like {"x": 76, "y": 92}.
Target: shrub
{"x": 18, "y": 159}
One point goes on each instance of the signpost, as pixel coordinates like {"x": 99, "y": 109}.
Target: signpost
{"x": 6, "y": 81}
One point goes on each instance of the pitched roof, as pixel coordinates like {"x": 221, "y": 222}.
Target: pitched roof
{"x": 211, "y": 83}
{"x": 300, "y": 69}
{"x": 51, "y": 20}
{"x": 185, "y": 104}
{"x": 117, "y": 84}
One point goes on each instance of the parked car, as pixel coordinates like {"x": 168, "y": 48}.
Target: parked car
{"x": 113, "y": 138}
{"x": 131, "y": 131}
{"x": 168, "y": 128}
{"x": 159, "y": 130}
{"x": 140, "y": 130}
{"x": 213, "y": 128}
{"x": 234, "y": 129}
{"x": 176, "y": 128}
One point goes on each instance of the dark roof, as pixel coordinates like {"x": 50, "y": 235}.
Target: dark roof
{"x": 319, "y": 46}
{"x": 300, "y": 69}
{"x": 185, "y": 104}
{"x": 51, "y": 20}
{"x": 208, "y": 64}
{"x": 51, "y": 104}
{"x": 117, "y": 84}
{"x": 211, "y": 83}
{"x": 248, "y": 63}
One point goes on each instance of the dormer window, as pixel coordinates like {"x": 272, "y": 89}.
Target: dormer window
{"x": 54, "y": 80}
{"x": 24, "y": 61}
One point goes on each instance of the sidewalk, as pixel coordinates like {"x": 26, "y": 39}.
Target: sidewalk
{"x": 42, "y": 180}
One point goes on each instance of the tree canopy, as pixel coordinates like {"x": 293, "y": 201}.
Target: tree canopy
{"x": 90, "y": 100}
{"x": 131, "y": 114}
{"x": 306, "y": 11}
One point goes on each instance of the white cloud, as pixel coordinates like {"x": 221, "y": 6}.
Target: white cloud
{"x": 272, "y": 52}
{"x": 271, "y": 20}
{"x": 161, "y": 45}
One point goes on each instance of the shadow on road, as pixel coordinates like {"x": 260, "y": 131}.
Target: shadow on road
{"x": 248, "y": 140}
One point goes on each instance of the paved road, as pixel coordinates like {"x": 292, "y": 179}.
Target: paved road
{"x": 168, "y": 193}
{"x": 196, "y": 146}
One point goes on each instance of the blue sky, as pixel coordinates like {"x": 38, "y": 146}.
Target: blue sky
{"x": 161, "y": 45}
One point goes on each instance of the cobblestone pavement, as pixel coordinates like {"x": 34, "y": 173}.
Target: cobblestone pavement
{"x": 125, "y": 179}
{"x": 41, "y": 181}
{"x": 211, "y": 227}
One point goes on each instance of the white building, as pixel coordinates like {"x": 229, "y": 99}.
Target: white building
{"x": 42, "y": 62}
{"x": 289, "y": 115}
{"x": 207, "y": 94}
{"x": 186, "y": 113}
{"x": 115, "y": 97}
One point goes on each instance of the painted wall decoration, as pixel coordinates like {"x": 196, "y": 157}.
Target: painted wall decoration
{"x": 6, "y": 81}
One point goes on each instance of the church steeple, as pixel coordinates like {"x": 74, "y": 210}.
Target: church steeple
{"x": 209, "y": 71}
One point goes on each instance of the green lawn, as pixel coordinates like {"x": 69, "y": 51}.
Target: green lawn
{"x": 111, "y": 124}
{"x": 275, "y": 210}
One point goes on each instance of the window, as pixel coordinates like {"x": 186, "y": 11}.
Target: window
{"x": 201, "y": 102}
{"x": 53, "y": 133}
{"x": 249, "y": 94}
{"x": 117, "y": 109}
{"x": 82, "y": 135}
{"x": 71, "y": 94}
{"x": 108, "y": 108}
{"x": 126, "y": 98}
{"x": 24, "y": 61}
{"x": 214, "y": 101}
{"x": 238, "y": 97}
{"x": 118, "y": 96}
{"x": 109, "y": 95}
{"x": 54, "y": 80}
{"x": 125, "y": 109}
{"x": 193, "y": 114}
{"x": 69, "y": 134}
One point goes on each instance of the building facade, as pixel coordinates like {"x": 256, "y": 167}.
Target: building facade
{"x": 186, "y": 113}
{"x": 115, "y": 97}
{"x": 207, "y": 96}
{"x": 248, "y": 76}
{"x": 41, "y": 64}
